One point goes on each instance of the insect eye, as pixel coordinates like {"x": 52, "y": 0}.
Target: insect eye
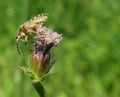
{"x": 16, "y": 37}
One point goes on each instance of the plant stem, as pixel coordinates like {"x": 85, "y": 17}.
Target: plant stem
{"x": 39, "y": 88}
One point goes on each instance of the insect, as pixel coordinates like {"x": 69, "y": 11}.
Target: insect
{"x": 29, "y": 27}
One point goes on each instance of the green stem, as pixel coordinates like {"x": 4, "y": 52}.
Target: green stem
{"x": 39, "y": 88}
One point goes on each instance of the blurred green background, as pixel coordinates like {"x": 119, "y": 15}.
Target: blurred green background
{"x": 88, "y": 56}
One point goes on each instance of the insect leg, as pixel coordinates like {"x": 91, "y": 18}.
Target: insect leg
{"x": 18, "y": 49}
{"x": 26, "y": 39}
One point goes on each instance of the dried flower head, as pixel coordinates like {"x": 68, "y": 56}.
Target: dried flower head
{"x": 48, "y": 36}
